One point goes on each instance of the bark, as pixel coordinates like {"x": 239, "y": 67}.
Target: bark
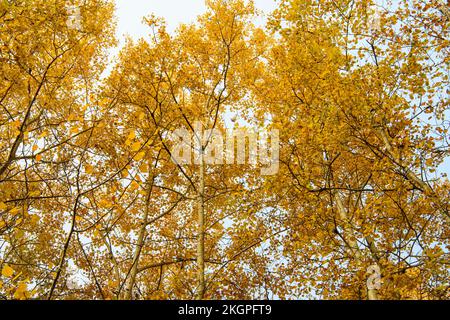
{"x": 372, "y": 294}
{"x": 140, "y": 243}
{"x": 201, "y": 230}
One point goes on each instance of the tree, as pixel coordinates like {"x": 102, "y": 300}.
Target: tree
{"x": 116, "y": 185}
{"x": 342, "y": 93}
{"x": 49, "y": 70}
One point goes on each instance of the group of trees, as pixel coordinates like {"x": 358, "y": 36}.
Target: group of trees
{"x": 93, "y": 205}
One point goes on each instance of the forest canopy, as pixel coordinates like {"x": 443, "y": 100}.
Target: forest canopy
{"x": 94, "y": 206}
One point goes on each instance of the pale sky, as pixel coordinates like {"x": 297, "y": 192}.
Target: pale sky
{"x": 130, "y": 13}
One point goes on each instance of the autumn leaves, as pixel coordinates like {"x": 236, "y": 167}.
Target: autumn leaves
{"x": 89, "y": 189}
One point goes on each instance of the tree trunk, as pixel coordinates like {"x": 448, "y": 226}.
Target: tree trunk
{"x": 140, "y": 243}
{"x": 372, "y": 294}
{"x": 201, "y": 229}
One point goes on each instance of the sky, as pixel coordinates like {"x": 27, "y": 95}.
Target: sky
{"x": 130, "y": 13}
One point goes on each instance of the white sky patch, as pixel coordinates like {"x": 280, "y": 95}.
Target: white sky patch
{"x": 129, "y": 14}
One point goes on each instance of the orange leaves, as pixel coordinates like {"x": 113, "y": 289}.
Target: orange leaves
{"x": 34, "y": 219}
{"x": 21, "y": 288}
{"x": 21, "y": 292}
{"x": 16, "y": 124}
{"x": 352, "y": 187}
{"x": 143, "y": 168}
{"x": 130, "y": 137}
{"x": 105, "y": 203}
{"x": 139, "y": 156}
{"x": 429, "y": 162}
{"x": 136, "y": 146}
{"x": 7, "y": 271}
{"x": 72, "y": 117}
{"x": 97, "y": 231}
{"x": 89, "y": 169}
{"x": 74, "y": 130}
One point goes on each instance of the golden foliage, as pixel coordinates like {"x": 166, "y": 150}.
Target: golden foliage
{"x": 93, "y": 207}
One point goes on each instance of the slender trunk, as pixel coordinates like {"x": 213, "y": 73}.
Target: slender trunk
{"x": 201, "y": 230}
{"x": 372, "y": 294}
{"x": 346, "y": 226}
{"x": 140, "y": 243}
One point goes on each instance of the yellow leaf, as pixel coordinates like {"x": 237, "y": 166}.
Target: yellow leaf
{"x": 21, "y": 291}
{"x": 131, "y": 136}
{"x": 103, "y": 102}
{"x": 139, "y": 156}
{"x": 7, "y": 271}
{"x": 35, "y": 147}
{"x": 35, "y": 193}
{"x": 34, "y": 219}
{"x": 43, "y": 134}
{"x": 19, "y": 234}
{"x": 134, "y": 185}
{"x": 15, "y": 211}
{"x": 105, "y": 203}
{"x": 135, "y": 146}
{"x": 144, "y": 168}
{"x": 112, "y": 283}
{"x": 89, "y": 169}
{"x": 3, "y": 206}
{"x": 124, "y": 173}
{"x": 22, "y": 287}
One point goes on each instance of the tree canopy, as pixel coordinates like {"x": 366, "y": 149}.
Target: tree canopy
{"x": 94, "y": 204}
